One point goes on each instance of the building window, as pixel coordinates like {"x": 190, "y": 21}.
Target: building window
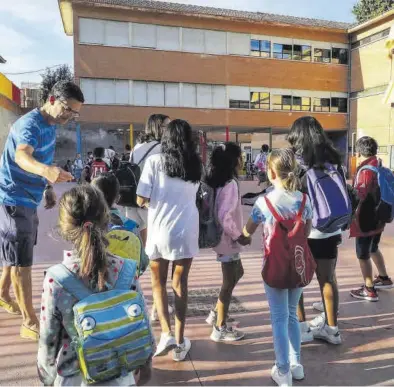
{"x": 239, "y": 104}
{"x": 260, "y": 100}
{"x": 322, "y": 55}
{"x": 321, "y": 105}
{"x": 302, "y": 103}
{"x": 282, "y": 102}
{"x": 283, "y": 51}
{"x": 339, "y": 105}
{"x": 303, "y": 53}
{"x": 340, "y": 56}
{"x": 261, "y": 48}
{"x": 371, "y": 38}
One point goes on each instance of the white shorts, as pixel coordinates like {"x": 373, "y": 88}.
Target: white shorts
{"x": 139, "y": 215}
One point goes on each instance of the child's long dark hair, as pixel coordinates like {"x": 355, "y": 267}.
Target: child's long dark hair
{"x": 309, "y": 140}
{"x": 83, "y": 221}
{"x": 224, "y": 164}
{"x": 179, "y": 151}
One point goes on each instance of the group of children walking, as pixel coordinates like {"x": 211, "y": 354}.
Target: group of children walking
{"x": 301, "y": 233}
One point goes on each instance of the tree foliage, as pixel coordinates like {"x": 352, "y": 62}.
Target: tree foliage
{"x": 368, "y": 9}
{"x": 51, "y": 76}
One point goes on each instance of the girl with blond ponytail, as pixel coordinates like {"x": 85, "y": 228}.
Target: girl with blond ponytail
{"x": 287, "y": 202}
{"x": 83, "y": 221}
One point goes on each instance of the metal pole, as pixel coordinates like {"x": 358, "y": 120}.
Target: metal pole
{"x": 227, "y": 134}
{"x": 131, "y": 136}
{"x": 270, "y": 138}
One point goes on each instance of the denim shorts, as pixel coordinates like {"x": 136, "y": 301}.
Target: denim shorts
{"x": 18, "y": 233}
{"x": 367, "y": 245}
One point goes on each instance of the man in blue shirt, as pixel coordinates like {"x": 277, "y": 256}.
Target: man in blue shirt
{"x": 25, "y": 171}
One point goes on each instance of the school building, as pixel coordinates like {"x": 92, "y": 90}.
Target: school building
{"x": 244, "y": 76}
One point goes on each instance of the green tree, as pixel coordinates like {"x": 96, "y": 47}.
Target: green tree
{"x": 51, "y": 76}
{"x": 368, "y": 9}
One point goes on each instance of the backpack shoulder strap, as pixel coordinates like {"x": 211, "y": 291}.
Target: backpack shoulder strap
{"x": 272, "y": 210}
{"x": 69, "y": 281}
{"x": 302, "y": 207}
{"x": 147, "y": 153}
{"x": 127, "y": 275}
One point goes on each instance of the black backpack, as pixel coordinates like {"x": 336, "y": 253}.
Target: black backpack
{"x": 128, "y": 175}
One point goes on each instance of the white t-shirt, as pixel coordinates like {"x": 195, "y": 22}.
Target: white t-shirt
{"x": 173, "y": 220}
{"x": 140, "y": 150}
{"x": 109, "y": 154}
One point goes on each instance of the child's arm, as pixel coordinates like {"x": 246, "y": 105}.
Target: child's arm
{"x": 363, "y": 184}
{"x": 145, "y": 185}
{"x": 50, "y": 335}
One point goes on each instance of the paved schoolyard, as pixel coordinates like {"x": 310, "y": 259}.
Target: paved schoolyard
{"x": 366, "y": 356}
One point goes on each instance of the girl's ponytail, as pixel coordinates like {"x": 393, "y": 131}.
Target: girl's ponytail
{"x": 91, "y": 248}
{"x": 83, "y": 221}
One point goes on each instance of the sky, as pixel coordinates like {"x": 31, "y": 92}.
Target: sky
{"x": 32, "y": 35}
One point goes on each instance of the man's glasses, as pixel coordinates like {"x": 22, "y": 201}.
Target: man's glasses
{"x": 69, "y": 110}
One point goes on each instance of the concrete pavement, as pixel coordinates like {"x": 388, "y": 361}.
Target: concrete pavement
{"x": 366, "y": 356}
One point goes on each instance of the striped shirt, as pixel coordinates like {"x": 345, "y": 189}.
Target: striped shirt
{"x": 19, "y": 187}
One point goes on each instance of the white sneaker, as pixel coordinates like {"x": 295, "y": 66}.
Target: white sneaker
{"x": 181, "y": 351}
{"x": 166, "y": 344}
{"x": 212, "y": 317}
{"x": 297, "y": 371}
{"x": 306, "y": 333}
{"x": 319, "y": 306}
{"x": 226, "y": 334}
{"x": 317, "y": 321}
{"x": 279, "y": 379}
{"x": 154, "y": 317}
{"x": 327, "y": 333}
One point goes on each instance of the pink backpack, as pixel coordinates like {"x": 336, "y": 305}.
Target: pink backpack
{"x": 288, "y": 262}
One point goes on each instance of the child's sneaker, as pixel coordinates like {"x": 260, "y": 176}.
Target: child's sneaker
{"x": 319, "y": 306}
{"x": 166, "y": 344}
{"x": 212, "y": 317}
{"x": 226, "y": 334}
{"x": 364, "y": 293}
{"x": 297, "y": 371}
{"x": 281, "y": 380}
{"x": 380, "y": 283}
{"x": 317, "y": 321}
{"x": 306, "y": 333}
{"x": 327, "y": 333}
{"x": 181, "y": 350}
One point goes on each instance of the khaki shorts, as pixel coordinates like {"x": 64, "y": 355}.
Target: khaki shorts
{"x": 139, "y": 215}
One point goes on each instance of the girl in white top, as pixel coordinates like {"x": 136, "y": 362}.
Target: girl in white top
{"x": 168, "y": 187}
{"x": 148, "y": 146}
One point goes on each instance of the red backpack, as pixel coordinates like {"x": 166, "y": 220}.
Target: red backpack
{"x": 97, "y": 168}
{"x": 288, "y": 262}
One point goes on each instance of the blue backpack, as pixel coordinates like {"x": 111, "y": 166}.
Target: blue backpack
{"x": 331, "y": 204}
{"x": 385, "y": 208}
{"x": 114, "y": 336}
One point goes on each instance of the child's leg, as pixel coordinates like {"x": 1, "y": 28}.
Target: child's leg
{"x": 159, "y": 271}
{"x": 325, "y": 272}
{"x": 363, "y": 251}
{"x": 180, "y": 287}
{"x": 377, "y": 257}
{"x": 301, "y": 309}
{"x": 279, "y": 310}
{"x": 294, "y": 296}
{"x": 232, "y": 273}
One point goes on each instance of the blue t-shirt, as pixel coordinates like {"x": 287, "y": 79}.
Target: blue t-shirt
{"x": 19, "y": 187}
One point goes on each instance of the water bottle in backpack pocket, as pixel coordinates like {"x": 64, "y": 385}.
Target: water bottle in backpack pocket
{"x": 113, "y": 330}
{"x": 288, "y": 261}
{"x": 331, "y": 204}
{"x": 210, "y": 230}
{"x": 383, "y": 211}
